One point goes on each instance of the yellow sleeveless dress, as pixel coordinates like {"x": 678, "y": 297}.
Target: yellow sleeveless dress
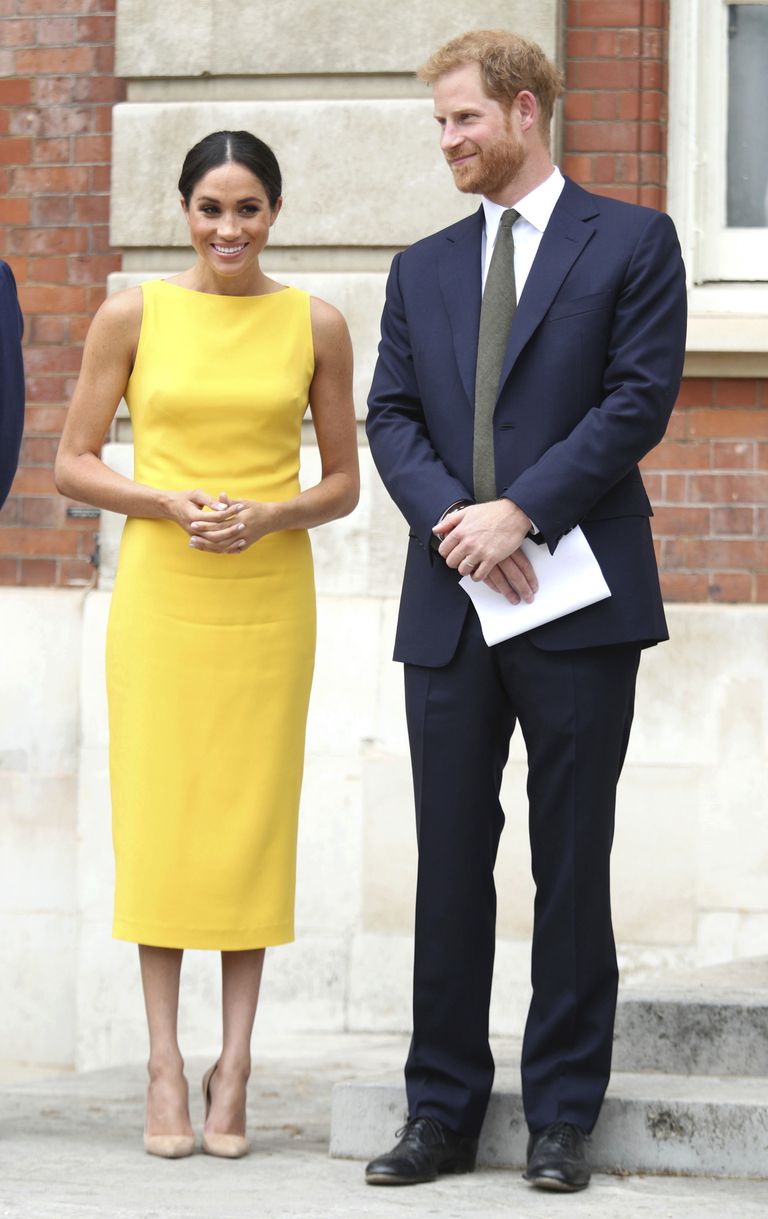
{"x": 210, "y": 657}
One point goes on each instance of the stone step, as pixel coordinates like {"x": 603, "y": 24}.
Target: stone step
{"x": 711, "y": 1021}
{"x": 653, "y": 1123}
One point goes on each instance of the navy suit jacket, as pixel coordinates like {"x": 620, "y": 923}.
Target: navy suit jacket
{"x": 591, "y": 373}
{"x": 11, "y": 380}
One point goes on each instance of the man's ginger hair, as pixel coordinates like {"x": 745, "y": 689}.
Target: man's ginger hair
{"x": 507, "y": 62}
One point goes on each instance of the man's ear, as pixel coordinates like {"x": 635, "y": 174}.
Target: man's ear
{"x": 527, "y": 108}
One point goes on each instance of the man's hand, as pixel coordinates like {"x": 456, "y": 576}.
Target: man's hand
{"x": 484, "y": 540}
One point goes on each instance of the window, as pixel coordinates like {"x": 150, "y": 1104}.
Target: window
{"x": 718, "y": 148}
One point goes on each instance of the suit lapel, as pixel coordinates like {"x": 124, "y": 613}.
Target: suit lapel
{"x": 460, "y": 283}
{"x": 564, "y": 238}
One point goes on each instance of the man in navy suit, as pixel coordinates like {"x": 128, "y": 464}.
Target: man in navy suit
{"x": 590, "y": 364}
{"x": 11, "y": 380}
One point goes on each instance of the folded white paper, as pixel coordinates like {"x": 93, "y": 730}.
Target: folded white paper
{"x": 569, "y": 580}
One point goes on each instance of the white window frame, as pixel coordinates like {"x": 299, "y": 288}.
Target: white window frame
{"x": 728, "y": 288}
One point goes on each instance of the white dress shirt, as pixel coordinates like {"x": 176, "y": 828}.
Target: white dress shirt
{"x": 535, "y": 210}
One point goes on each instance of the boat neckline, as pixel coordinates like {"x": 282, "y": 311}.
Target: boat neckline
{"x": 250, "y": 296}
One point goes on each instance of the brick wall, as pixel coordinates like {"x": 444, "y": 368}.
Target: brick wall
{"x": 709, "y": 478}
{"x": 56, "y": 94}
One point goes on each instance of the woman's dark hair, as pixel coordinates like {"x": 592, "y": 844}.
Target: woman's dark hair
{"x": 221, "y": 147}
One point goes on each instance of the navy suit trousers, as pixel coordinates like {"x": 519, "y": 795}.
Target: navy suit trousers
{"x": 575, "y": 710}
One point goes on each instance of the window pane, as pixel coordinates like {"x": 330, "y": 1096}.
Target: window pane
{"x": 748, "y": 116}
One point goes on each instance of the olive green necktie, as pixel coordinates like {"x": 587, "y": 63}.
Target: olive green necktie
{"x": 496, "y": 313}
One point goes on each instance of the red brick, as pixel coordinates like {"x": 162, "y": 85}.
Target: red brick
{"x": 603, "y": 169}
{"x": 578, "y": 105}
{"x": 89, "y": 209}
{"x": 652, "y": 196}
{"x": 605, "y": 74}
{"x": 76, "y": 572}
{"x": 39, "y": 572}
{"x": 652, "y": 106}
{"x": 652, "y": 44}
{"x": 679, "y": 455}
{"x": 42, "y": 419}
{"x": 18, "y": 33}
{"x": 92, "y": 148}
{"x": 25, "y": 123}
{"x": 55, "y": 61}
{"x": 599, "y": 137}
{"x": 728, "y": 521}
{"x": 695, "y": 391}
{"x": 48, "y": 270}
{"x": 651, "y": 75}
{"x": 41, "y": 511}
{"x": 627, "y": 106}
{"x": 604, "y": 106}
{"x": 51, "y": 181}
{"x": 98, "y": 89}
{"x": 728, "y": 488}
{"x": 675, "y": 488}
{"x": 51, "y": 209}
{"x": 606, "y": 44}
{"x": 37, "y": 480}
{"x": 95, "y": 29}
{"x": 56, "y": 31}
{"x": 52, "y": 151}
{"x": 100, "y": 177}
{"x": 45, "y": 388}
{"x": 95, "y": 297}
{"x": 760, "y": 587}
{"x": 53, "y": 90}
{"x": 683, "y": 586}
{"x": 38, "y": 8}
{"x": 67, "y": 120}
{"x": 49, "y": 542}
{"x": 91, "y": 268}
{"x": 625, "y": 194}
{"x": 732, "y": 424}
{"x": 736, "y": 392}
{"x": 724, "y": 553}
{"x": 4, "y": 121}
{"x": 733, "y": 454}
{"x": 18, "y": 265}
{"x": 673, "y": 553}
{"x": 651, "y": 137}
{"x": 628, "y": 43}
{"x": 50, "y": 240}
{"x": 674, "y": 522}
{"x": 15, "y": 91}
{"x": 762, "y": 457}
{"x": 79, "y": 327}
{"x": 762, "y": 391}
{"x": 730, "y": 586}
{"x": 579, "y": 45}
{"x": 14, "y": 211}
{"x": 628, "y": 168}
{"x": 578, "y": 167}
{"x": 9, "y": 568}
{"x": 610, "y": 12}
{"x": 98, "y": 242}
{"x": 16, "y": 151}
{"x": 761, "y": 523}
{"x": 53, "y": 359}
{"x": 53, "y": 300}
{"x": 38, "y": 451}
{"x": 104, "y": 59}
{"x": 652, "y": 167}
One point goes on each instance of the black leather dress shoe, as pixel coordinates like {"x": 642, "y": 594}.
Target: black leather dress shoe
{"x": 557, "y": 1158}
{"x": 426, "y": 1148}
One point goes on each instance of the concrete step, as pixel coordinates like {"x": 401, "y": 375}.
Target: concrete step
{"x": 711, "y": 1021}
{"x": 677, "y": 1124}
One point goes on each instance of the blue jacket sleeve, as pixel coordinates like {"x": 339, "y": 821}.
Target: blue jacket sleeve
{"x": 11, "y": 380}
{"x": 417, "y": 479}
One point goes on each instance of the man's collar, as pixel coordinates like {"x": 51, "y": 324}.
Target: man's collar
{"x": 536, "y": 207}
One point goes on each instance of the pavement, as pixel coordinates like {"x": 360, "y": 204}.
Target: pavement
{"x": 70, "y": 1148}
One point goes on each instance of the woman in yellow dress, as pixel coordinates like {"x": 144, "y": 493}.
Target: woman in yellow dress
{"x": 212, "y": 626}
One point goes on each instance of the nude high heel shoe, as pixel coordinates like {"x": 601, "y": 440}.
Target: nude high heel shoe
{"x": 228, "y": 1146}
{"x": 169, "y": 1146}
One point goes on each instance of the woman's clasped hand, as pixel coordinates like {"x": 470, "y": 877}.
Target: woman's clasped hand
{"x": 220, "y": 526}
